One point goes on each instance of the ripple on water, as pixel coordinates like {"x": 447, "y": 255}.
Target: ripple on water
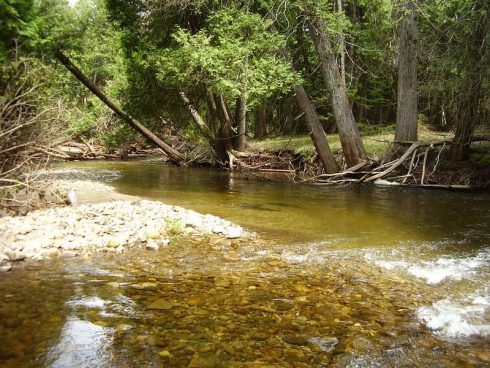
{"x": 453, "y": 319}
{"x": 464, "y": 310}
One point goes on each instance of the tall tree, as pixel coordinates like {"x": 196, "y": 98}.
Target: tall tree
{"x": 475, "y": 72}
{"x": 351, "y": 141}
{"x": 406, "y": 114}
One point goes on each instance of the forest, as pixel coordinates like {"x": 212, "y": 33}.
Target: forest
{"x": 384, "y": 88}
{"x": 244, "y": 184}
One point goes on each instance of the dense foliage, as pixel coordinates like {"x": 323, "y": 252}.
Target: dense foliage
{"x": 142, "y": 53}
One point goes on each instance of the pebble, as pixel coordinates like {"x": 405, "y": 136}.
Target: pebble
{"x": 110, "y": 227}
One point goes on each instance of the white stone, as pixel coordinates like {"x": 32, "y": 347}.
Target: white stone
{"x": 233, "y": 232}
{"x": 218, "y": 229}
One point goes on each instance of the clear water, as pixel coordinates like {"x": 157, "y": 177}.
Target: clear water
{"x": 358, "y": 277}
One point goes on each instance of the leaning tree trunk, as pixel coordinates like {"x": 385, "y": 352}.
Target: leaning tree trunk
{"x": 406, "y": 113}
{"x": 173, "y": 155}
{"x": 350, "y": 138}
{"x": 317, "y": 133}
{"x": 471, "y": 90}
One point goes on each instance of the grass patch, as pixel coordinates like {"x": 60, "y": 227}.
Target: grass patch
{"x": 377, "y": 141}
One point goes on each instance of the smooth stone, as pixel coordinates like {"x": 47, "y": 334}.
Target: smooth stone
{"x": 483, "y": 355}
{"x": 203, "y": 362}
{"x": 24, "y": 230}
{"x": 218, "y": 229}
{"x": 15, "y": 256}
{"x": 5, "y": 268}
{"x": 123, "y": 327}
{"x": 325, "y": 344}
{"x": 52, "y": 252}
{"x": 233, "y": 233}
{"x": 152, "y": 234}
{"x": 222, "y": 283}
{"x": 112, "y": 243}
{"x": 283, "y": 304}
{"x": 196, "y": 301}
{"x": 152, "y": 245}
{"x": 145, "y": 286}
{"x": 160, "y": 304}
{"x": 68, "y": 254}
{"x": 296, "y": 340}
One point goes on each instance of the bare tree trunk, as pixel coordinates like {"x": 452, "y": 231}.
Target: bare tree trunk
{"x": 342, "y": 45}
{"x": 241, "y": 122}
{"x": 317, "y": 133}
{"x": 471, "y": 90}
{"x": 260, "y": 122}
{"x": 201, "y": 124}
{"x": 350, "y": 138}
{"x": 406, "y": 114}
{"x": 173, "y": 155}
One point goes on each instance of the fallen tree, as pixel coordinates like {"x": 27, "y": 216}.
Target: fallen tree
{"x": 173, "y": 155}
{"x": 419, "y": 165}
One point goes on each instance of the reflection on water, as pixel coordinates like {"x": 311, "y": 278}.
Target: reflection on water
{"x": 354, "y": 277}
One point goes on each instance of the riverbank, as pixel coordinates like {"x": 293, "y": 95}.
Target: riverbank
{"x": 101, "y": 221}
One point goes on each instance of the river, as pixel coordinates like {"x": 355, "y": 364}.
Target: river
{"x": 351, "y": 277}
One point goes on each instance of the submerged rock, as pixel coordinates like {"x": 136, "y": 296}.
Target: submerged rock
{"x": 324, "y": 344}
{"x": 160, "y": 304}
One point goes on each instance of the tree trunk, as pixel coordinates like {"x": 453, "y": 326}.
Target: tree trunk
{"x": 340, "y": 9}
{"x": 173, "y": 155}
{"x": 260, "y": 122}
{"x": 471, "y": 90}
{"x": 406, "y": 114}
{"x": 241, "y": 122}
{"x": 317, "y": 133}
{"x": 201, "y": 124}
{"x": 350, "y": 138}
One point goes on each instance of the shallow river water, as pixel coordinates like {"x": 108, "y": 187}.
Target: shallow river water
{"x": 347, "y": 277}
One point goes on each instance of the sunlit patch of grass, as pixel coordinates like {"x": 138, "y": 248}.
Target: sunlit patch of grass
{"x": 377, "y": 140}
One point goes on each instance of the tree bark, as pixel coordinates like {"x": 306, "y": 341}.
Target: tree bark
{"x": 241, "y": 122}
{"x": 201, "y": 124}
{"x": 260, "y": 122}
{"x": 173, "y": 155}
{"x": 317, "y": 133}
{"x": 406, "y": 114}
{"x": 471, "y": 90}
{"x": 350, "y": 138}
{"x": 340, "y": 9}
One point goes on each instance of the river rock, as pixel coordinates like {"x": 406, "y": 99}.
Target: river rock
{"x": 203, "y": 362}
{"x": 218, "y": 229}
{"x": 5, "y": 268}
{"x": 15, "y": 255}
{"x": 324, "y": 344}
{"x": 145, "y": 286}
{"x": 233, "y": 232}
{"x": 160, "y": 304}
{"x": 152, "y": 245}
{"x": 51, "y": 252}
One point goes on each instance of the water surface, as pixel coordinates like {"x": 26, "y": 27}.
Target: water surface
{"x": 358, "y": 277}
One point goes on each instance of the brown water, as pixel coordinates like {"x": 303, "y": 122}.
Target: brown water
{"x": 348, "y": 277}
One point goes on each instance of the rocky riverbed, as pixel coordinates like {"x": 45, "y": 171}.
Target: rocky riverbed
{"x": 113, "y": 224}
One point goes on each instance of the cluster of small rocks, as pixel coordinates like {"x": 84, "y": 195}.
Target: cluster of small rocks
{"x": 110, "y": 227}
